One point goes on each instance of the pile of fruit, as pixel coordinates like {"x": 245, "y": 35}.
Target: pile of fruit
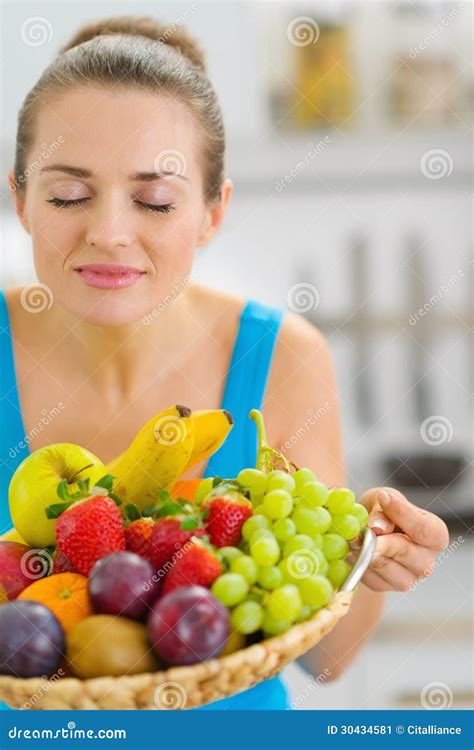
{"x": 135, "y": 570}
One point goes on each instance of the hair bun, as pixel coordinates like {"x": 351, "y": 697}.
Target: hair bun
{"x": 172, "y": 35}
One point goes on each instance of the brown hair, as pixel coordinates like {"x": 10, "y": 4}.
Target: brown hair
{"x": 137, "y": 52}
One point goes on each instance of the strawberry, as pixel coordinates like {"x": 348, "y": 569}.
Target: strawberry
{"x": 88, "y": 530}
{"x": 224, "y": 517}
{"x": 138, "y": 537}
{"x": 168, "y": 537}
{"x": 62, "y": 564}
{"x": 195, "y": 564}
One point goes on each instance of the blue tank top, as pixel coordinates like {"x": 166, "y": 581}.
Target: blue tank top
{"x": 244, "y": 390}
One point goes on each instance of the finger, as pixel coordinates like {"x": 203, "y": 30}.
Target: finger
{"x": 422, "y": 526}
{"x": 397, "y": 576}
{"x": 379, "y": 523}
{"x": 375, "y": 582}
{"x": 417, "y": 559}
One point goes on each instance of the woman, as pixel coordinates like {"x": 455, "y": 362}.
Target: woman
{"x": 131, "y": 185}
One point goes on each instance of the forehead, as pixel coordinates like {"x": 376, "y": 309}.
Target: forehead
{"x": 110, "y": 132}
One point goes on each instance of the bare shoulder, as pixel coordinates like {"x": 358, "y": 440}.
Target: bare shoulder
{"x": 301, "y": 351}
{"x": 218, "y": 311}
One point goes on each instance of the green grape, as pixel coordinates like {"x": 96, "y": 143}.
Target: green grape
{"x": 265, "y": 550}
{"x": 259, "y": 534}
{"x": 311, "y": 522}
{"x": 313, "y": 494}
{"x": 305, "y": 613}
{"x": 338, "y": 572}
{"x": 317, "y": 540}
{"x": 334, "y": 547}
{"x": 345, "y": 525}
{"x": 296, "y": 542}
{"x": 203, "y": 489}
{"x": 269, "y": 577}
{"x": 253, "y": 523}
{"x": 254, "y": 480}
{"x": 277, "y": 504}
{"x": 283, "y": 529}
{"x": 246, "y": 567}
{"x": 361, "y": 513}
{"x": 302, "y": 476}
{"x": 258, "y": 507}
{"x": 315, "y": 590}
{"x": 280, "y": 480}
{"x": 304, "y": 563}
{"x": 340, "y": 500}
{"x": 272, "y": 626}
{"x": 228, "y": 554}
{"x": 230, "y": 589}
{"x": 247, "y": 617}
{"x": 284, "y": 603}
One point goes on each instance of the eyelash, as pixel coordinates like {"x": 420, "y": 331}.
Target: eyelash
{"x": 59, "y": 203}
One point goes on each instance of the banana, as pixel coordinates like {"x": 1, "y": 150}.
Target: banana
{"x": 211, "y": 429}
{"x": 155, "y": 458}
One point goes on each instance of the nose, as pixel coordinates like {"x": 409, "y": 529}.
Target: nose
{"x": 109, "y": 223}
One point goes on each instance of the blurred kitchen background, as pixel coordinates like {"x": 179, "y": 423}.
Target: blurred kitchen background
{"x": 349, "y": 130}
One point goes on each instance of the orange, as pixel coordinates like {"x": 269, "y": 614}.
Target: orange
{"x": 185, "y": 488}
{"x": 66, "y": 596}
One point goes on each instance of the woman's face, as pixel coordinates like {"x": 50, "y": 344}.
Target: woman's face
{"x": 97, "y": 198}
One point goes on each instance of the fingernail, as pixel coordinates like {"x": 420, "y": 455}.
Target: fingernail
{"x": 380, "y": 524}
{"x": 383, "y": 497}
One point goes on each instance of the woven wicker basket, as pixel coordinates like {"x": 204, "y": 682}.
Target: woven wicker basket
{"x": 196, "y": 685}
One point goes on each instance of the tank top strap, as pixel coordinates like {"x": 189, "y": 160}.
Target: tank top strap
{"x": 245, "y": 386}
{"x": 13, "y": 447}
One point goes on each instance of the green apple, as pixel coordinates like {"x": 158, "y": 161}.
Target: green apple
{"x": 34, "y": 486}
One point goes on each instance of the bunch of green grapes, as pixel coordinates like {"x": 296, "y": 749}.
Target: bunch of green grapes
{"x": 292, "y": 556}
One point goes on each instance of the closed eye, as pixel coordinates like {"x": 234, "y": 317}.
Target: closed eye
{"x": 60, "y": 203}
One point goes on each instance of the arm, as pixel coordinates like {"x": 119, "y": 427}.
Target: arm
{"x": 302, "y": 391}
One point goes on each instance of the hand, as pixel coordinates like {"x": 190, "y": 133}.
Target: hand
{"x": 409, "y": 540}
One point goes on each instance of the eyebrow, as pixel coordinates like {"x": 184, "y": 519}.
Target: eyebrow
{"x": 137, "y": 177}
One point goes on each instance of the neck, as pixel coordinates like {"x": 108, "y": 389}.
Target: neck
{"x": 119, "y": 362}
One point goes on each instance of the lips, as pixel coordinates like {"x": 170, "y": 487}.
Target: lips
{"x": 108, "y": 275}
{"x": 108, "y": 268}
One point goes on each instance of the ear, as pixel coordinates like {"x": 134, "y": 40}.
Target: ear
{"x": 19, "y": 200}
{"x": 215, "y": 213}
